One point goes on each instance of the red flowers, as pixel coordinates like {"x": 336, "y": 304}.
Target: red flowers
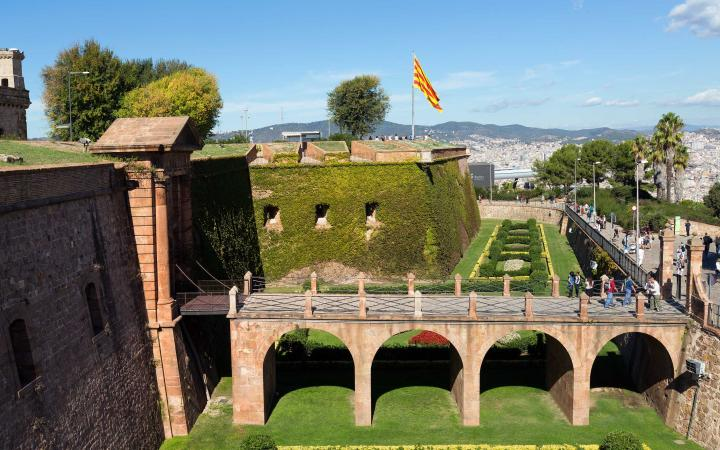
{"x": 428, "y": 338}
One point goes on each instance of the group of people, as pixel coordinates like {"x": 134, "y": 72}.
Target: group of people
{"x": 388, "y": 138}
{"x": 612, "y": 287}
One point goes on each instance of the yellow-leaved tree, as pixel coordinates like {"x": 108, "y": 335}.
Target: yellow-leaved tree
{"x": 192, "y": 92}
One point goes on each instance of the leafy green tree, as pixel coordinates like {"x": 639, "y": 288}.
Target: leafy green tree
{"x": 95, "y": 97}
{"x": 622, "y": 164}
{"x": 712, "y": 199}
{"x": 140, "y": 72}
{"x": 192, "y": 92}
{"x": 600, "y": 151}
{"x": 559, "y": 169}
{"x": 358, "y": 105}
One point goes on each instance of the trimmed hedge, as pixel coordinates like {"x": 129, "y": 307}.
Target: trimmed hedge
{"x": 621, "y": 440}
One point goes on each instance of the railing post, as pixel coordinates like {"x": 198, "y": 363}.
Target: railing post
{"x": 556, "y": 286}
{"x": 313, "y": 283}
{"x": 308, "y": 305}
{"x": 528, "y": 306}
{"x": 640, "y": 306}
{"x": 506, "y": 285}
{"x": 411, "y": 284}
{"x": 584, "y": 301}
{"x": 418, "y": 305}
{"x": 232, "y": 298}
{"x": 361, "y": 283}
{"x": 247, "y": 280}
{"x": 362, "y": 313}
{"x": 458, "y": 285}
{"x": 472, "y": 306}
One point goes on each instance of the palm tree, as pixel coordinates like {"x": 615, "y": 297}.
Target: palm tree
{"x": 656, "y": 157}
{"x": 679, "y": 165}
{"x": 667, "y": 139}
{"x": 639, "y": 151}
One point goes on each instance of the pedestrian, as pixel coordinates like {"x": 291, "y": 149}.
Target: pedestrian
{"x": 717, "y": 244}
{"x": 616, "y": 233}
{"x": 629, "y": 287}
{"x": 707, "y": 240}
{"x": 610, "y": 290}
{"x": 640, "y": 255}
{"x": 571, "y": 284}
{"x": 625, "y": 242}
{"x": 652, "y": 287}
{"x": 687, "y": 227}
{"x": 589, "y": 286}
{"x": 578, "y": 282}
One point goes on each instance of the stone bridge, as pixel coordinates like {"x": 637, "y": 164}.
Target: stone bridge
{"x": 575, "y": 333}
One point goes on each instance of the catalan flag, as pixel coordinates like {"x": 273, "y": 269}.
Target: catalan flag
{"x": 420, "y": 81}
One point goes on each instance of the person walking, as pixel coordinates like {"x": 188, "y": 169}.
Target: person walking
{"x": 589, "y": 286}
{"x": 707, "y": 240}
{"x": 629, "y": 287}
{"x": 640, "y": 255}
{"x": 571, "y": 284}
{"x": 687, "y": 227}
{"x": 652, "y": 287}
{"x": 717, "y": 244}
{"x": 610, "y": 290}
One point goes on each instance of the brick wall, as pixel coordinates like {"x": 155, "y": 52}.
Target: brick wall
{"x": 705, "y": 346}
{"x": 520, "y": 211}
{"x": 60, "y": 229}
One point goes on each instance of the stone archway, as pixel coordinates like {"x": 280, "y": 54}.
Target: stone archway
{"x": 546, "y": 363}
{"x": 636, "y": 361}
{"x": 429, "y": 359}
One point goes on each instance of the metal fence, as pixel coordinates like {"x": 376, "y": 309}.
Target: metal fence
{"x": 626, "y": 264}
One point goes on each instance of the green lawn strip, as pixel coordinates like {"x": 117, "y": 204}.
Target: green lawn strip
{"x": 217, "y": 151}
{"x": 562, "y": 256}
{"x": 319, "y": 337}
{"x": 473, "y": 252}
{"x": 323, "y": 415}
{"x": 33, "y": 155}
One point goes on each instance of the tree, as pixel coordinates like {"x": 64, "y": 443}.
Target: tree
{"x": 682, "y": 158}
{"x": 622, "y": 164}
{"x": 192, "y": 92}
{"x": 600, "y": 151}
{"x": 140, "y": 72}
{"x": 358, "y": 105}
{"x": 559, "y": 169}
{"x": 712, "y": 199}
{"x": 95, "y": 97}
{"x": 667, "y": 139}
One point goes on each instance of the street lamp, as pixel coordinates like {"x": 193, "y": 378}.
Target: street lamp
{"x": 594, "y": 203}
{"x": 575, "y": 185}
{"x": 84, "y": 72}
{"x": 636, "y": 208}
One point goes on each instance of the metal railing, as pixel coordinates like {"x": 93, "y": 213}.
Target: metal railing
{"x": 625, "y": 262}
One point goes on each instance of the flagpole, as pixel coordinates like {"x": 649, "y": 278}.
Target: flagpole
{"x": 412, "y": 95}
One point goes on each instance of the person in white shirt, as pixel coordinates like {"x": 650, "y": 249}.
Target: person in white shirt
{"x": 652, "y": 289}
{"x": 640, "y": 255}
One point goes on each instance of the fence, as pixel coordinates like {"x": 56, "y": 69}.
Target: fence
{"x": 626, "y": 264}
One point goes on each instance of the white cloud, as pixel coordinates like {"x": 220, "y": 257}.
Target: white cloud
{"x": 701, "y": 17}
{"x": 598, "y": 101}
{"x": 578, "y": 4}
{"x": 505, "y": 103}
{"x": 709, "y": 97}
{"x": 468, "y": 79}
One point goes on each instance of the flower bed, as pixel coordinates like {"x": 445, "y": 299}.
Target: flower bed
{"x": 428, "y": 338}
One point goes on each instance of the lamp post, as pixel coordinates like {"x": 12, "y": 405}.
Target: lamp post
{"x": 638, "y": 163}
{"x": 594, "y": 203}
{"x": 70, "y": 74}
{"x": 575, "y": 185}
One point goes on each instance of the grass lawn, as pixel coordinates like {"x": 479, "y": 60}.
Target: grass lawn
{"x": 562, "y": 256}
{"x": 323, "y": 415}
{"x": 217, "y": 151}
{"x": 325, "y": 338}
{"x": 34, "y": 154}
{"x": 473, "y": 252}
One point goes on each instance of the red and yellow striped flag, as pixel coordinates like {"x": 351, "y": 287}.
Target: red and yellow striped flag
{"x": 420, "y": 81}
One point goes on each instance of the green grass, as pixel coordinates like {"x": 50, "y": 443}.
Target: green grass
{"x": 43, "y": 155}
{"x": 332, "y": 146}
{"x": 323, "y": 415}
{"x": 473, "y": 252}
{"x": 217, "y": 151}
{"x": 561, "y": 255}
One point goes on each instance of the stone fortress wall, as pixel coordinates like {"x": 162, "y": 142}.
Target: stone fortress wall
{"x": 72, "y": 316}
{"x": 542, "y": 212}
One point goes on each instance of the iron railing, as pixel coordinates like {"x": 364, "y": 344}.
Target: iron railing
{"x": 624, "y": 261}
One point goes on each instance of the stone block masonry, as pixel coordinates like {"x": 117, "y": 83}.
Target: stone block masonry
{"x": 542, "y": 212}
{"x": 63, "y": 229}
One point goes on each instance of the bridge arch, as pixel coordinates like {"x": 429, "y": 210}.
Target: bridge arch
{"x": 296, "y": 351}
{"x": 426, "y": 358}
{"x": 636, "y": 360}
{"x": 551, "y": 360}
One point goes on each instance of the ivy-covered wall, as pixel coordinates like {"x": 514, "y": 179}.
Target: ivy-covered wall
{"x": 427, "y": 214}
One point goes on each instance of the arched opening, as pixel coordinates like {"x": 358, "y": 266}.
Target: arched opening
{"x": 412, "y": 373}
{"x": 528, "y": 365}
{"x": 311, "y": 367}
{"x": 4, "y": 82}
{"x": 20, "y": 342}
{"x": 635, "y": 362}
{"x": 93, "y": 303}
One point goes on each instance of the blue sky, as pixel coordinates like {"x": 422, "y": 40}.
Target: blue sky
{"x": 560, "y": 63}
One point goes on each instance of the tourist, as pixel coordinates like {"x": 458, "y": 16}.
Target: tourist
{"x": 616, "y": 233}
{"x": 573, "y": 285}
{"x": 589, "y": 286}
{"x": 610, "y": 290}
{"x": 687, "y": 227}
{"x": 625, "y": 243}
{"x": 640, "y": 255}
{"x": 717, "y": 244}
{"x": 707, "y": 240}
{"x": 629, "y": 287}
{"x": 652, "y": 287}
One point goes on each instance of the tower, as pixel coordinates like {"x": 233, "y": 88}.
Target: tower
{"x": 14, "y": 98}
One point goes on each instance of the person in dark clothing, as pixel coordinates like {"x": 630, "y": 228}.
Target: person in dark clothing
{"x": 687, "y": 227}
{"x": 707, "y": 240}
{"x": 717, "y": 244}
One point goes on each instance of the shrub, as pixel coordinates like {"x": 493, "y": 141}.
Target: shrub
{"x": 621, "y": 440}
{"x": 656, "y": 221}
{"x": 532, "y": 223}
{"x": 429, "y": 338}
{"x": 507, "y": 223}
{"x": 258, "y": 442}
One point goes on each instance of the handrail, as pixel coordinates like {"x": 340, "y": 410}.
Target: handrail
{"x": 626, "y": 264}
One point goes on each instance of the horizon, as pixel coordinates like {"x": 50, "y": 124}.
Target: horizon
{"x": 570, "y": 65}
